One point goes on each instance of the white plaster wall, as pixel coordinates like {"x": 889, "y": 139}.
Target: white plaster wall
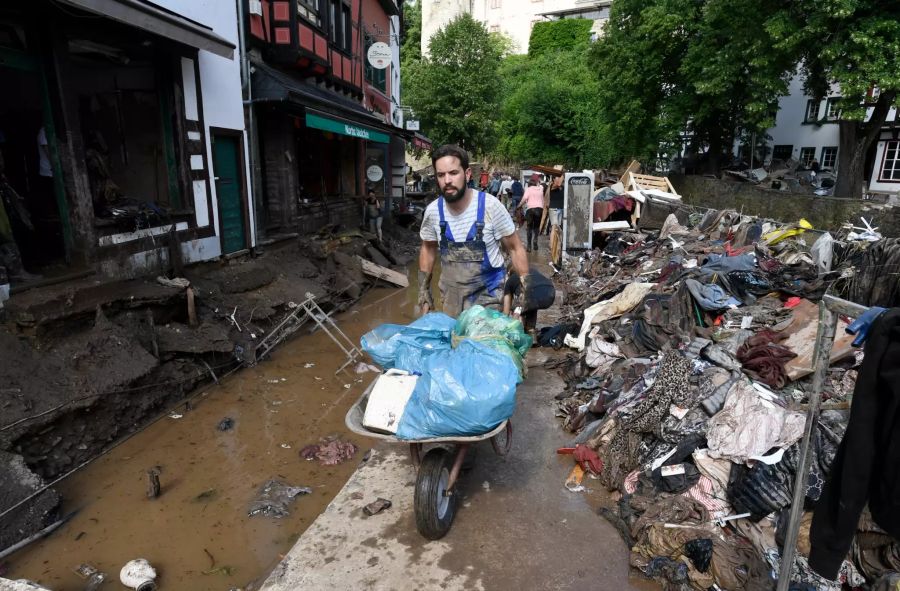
{"x": 138, "y": 264}
{"x": 790, "y": 129}
{"x": 437, "y": 13}
{"x": 511, "y": 17}
{"x": 220, "y": 82}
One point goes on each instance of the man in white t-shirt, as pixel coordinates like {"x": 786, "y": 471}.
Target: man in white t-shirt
{"x": 468, "y": 229}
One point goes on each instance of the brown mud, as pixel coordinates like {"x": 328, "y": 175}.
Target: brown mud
{"x": 197, "y": 532}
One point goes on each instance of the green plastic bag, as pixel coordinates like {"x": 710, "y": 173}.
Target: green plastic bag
{"x": 496, "y": 330}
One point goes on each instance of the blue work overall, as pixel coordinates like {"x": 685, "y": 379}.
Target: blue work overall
{"x": 467, "y": 277}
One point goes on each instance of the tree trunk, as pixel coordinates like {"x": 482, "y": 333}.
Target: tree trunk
{"x": 855, "y": 139}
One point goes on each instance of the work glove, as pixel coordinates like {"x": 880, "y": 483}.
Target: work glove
{"x": 425, "y": 298}
{"x": 860, "y": 327}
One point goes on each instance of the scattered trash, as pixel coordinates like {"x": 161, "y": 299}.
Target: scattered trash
{"x": 139, "y": 575}
{"x": 274, "y": 498}
{"x": 177, "y": 282}
{"x": 376, "y": 506}
{"x": 308, "y": 365}
{"x": 329, "y": 451}
{"x": 153, "y": 482}
{"x": 95, "y": 578}
{"x": 285, "y": 446}
{"x": 206, "y": 496}
{"x": 366, "y": 367}
{"x": 573, "y": 481}
{"x": 175, "y": 415}
{"x": 225, "y": 424}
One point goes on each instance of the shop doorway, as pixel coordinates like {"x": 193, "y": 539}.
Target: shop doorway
{"x": 230, "y": 191}
{"x": 29, "y": 172}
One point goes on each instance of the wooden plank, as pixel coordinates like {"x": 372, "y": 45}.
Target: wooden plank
{"x": 373, "y": 270}
{"x": 802, "y": 339}
{"x": 632, "y": 167}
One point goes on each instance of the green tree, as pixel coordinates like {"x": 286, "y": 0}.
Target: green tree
{"x": 716, "y": 68}
{"x": 411, "y": 34}
{"x": 854, "y": 44}
{"x": 563, "y": 34}
{"x": 707, "y": 68}
{"x": 453, "y": 91}
{"x": 548, "y": 112}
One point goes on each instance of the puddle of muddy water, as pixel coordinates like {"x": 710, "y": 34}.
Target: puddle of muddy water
{"x": 197, "y": 532}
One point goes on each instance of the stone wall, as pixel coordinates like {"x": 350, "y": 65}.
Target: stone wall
{"x": 822, "y": 212}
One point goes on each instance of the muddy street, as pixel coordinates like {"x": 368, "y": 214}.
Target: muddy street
{"x": 197, "y": 532}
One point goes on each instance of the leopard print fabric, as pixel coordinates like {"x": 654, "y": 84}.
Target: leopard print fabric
{"x": 670, "y": 387}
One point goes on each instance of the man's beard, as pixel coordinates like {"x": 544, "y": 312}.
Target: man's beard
{"x": 453, "y": 198}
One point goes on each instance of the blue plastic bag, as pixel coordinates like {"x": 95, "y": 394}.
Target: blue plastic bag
{"x": 464, "y": 391}
{"x": 407, "y": 347}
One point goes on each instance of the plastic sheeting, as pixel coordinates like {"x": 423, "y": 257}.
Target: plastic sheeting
{"x": 465, "y": 391}
{"x": 496, "y": 330}
{"x": 407, "y": 347}
{"x": 469, "y": 368}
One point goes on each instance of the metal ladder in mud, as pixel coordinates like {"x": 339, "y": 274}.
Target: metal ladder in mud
{"x": 303, "y": 312}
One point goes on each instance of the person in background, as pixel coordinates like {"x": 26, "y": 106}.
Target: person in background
{"x": 543, "y": 293}
{"x": 505, "y": 190}
{"x": 373, "y": 213}
{"x": 494, "y": 186}
{"x": 556, "y": 202}
{"x": 516, "y": 191}
{"x": 533, "y": 204}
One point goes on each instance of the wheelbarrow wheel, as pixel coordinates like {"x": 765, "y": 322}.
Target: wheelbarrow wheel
{"x": 434, "y": 507}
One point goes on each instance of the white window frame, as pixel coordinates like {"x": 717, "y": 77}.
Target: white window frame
{"x": 814, "y": 106}
{"x": 833, "y": 109}
{"x": 812, "y": 155}
{"x": 890, "y": 162}
{"x": 823, "y": 162}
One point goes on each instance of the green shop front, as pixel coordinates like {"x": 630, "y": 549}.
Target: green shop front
{"x": 321, "y": 152}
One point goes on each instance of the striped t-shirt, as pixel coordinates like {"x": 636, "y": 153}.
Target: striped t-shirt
{"x": 497, "y": 224}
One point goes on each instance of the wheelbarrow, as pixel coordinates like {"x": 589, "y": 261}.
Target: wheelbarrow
{"x": 436, "y": 496}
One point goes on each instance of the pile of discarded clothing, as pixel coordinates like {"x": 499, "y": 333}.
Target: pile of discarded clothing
{"x": 690, "y": 382}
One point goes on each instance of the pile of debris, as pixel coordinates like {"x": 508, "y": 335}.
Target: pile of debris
{"x": 691, "y": 383}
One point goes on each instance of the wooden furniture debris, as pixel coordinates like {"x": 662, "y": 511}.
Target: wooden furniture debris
{"x": 389, "y": 275}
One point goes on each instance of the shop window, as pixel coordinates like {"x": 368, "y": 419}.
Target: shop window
{"x": 829, "y": 157}
{"x": 890, "y": 167}
{"x": 126, "y": 130}
{"x": 807, "y": 155}
{"x": 309, "y": 11}
{"x": 374, "y": 76}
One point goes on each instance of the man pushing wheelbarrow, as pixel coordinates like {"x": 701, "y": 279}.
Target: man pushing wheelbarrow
{"x": 451, "y": 377}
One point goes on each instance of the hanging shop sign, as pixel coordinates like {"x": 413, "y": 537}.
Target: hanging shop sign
{"x": 412, "y": 125}
{"x": 344, "y": 128}
{"x": 379, "y": 55}
{"x": 374, "y": 173}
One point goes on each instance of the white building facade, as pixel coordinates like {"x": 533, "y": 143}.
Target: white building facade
{"x": 806, "y": 129}
{"x": 514, "y": 18}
